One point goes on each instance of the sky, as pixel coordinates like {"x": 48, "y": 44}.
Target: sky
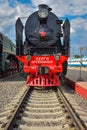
{"x": 75, "y": 11}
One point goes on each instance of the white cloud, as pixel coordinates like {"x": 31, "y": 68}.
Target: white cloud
{"x": 79, "y": 36}
{"x": 65, "y": 7}
{"x": 72, "y": 30}
{"x": 9, "y": 15}
{"x": 5, "y": 9}
{"x": 79, "y": 24}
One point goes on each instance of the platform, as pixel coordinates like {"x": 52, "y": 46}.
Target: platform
{"x": 77, "y": 80}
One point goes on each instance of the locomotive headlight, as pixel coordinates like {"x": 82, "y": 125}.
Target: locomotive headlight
{"x": 28, "y": 57}
{"x": 56, "y": 57}
{"x": 43, "y": 11}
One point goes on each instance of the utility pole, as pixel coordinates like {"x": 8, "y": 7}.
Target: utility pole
{"x": 80, "y": 77}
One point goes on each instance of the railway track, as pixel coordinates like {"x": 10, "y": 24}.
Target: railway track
{"x": 42, "y": 109}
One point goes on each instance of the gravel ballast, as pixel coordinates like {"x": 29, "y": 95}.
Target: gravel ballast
{"x": 9, "y": 87}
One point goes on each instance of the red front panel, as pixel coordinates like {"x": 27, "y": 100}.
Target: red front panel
{"x": 32, "y": 66}
{"x": 43, "y": 80}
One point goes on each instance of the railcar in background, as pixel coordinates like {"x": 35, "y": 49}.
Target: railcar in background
{"x": 8, "y": 60}
{"x": 76, "y": 62}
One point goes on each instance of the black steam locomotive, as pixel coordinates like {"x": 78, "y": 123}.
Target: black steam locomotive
{"x": 43, "y": 32}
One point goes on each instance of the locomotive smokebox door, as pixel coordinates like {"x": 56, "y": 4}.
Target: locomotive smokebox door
{"x": 41, "y": 28}
{"x": 19, "y": 38}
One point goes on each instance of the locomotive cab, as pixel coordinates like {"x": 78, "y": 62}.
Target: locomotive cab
{"x": 43, "y": 53}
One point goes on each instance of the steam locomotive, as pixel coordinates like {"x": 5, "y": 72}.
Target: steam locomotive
{"x": 43, "y": 54}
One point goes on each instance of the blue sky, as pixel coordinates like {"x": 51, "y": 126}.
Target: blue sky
{"x": 75, "y": 10}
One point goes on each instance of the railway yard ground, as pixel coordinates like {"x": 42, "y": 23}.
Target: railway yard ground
{"x": 42, "y": 109}
{"x": 77, "y": 79}
{"x": 9, "y": 87}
